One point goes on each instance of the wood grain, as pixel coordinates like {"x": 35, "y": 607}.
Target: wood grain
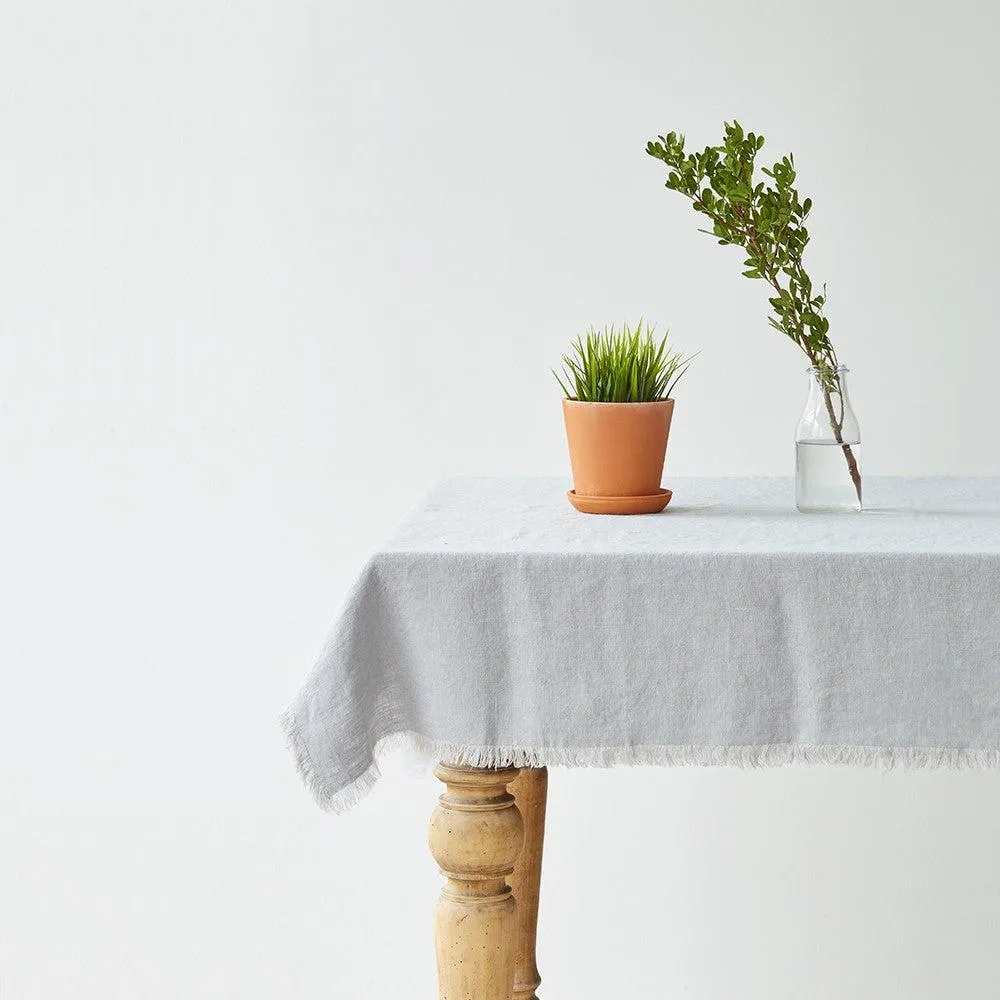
{"x": 530, "y": 790}
{"x": 476, "y": 834}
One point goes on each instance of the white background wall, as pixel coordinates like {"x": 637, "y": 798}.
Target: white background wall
{"x": 266, "y": 271}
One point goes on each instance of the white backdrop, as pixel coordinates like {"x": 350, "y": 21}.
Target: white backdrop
{"x": 266, "y": 271}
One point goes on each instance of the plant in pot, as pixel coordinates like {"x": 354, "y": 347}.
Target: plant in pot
{"x": 617, "y": 408}
{"x": 766, "y": 219}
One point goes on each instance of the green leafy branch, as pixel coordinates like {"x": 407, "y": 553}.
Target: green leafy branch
{"x": 767, "y": 220}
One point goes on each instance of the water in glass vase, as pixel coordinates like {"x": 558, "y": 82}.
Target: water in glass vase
{"x": 828, "y": 446}
{"x": 823, "y": 478}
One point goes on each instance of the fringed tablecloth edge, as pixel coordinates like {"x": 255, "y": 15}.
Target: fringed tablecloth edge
{"x": 340, "y": 799}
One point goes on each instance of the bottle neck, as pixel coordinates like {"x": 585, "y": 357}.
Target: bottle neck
{"x": 827, "y": 377}
{"x": 828, "y": 413}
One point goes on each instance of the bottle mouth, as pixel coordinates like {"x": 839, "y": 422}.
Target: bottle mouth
{"x": 840, "y": 369}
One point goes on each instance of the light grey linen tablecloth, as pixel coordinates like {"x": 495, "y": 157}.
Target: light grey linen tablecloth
{"x": 500, "y": 626}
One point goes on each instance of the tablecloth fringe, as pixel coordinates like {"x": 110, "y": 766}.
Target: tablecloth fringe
{"x": 340, "y": 799}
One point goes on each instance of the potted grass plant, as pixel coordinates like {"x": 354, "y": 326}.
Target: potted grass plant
{"x": 618, "y": 407}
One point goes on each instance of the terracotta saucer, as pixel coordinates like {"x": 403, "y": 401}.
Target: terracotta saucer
{"x": 652, "y": 504}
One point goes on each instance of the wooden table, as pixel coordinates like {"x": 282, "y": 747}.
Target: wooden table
{"x": 478, "y": 632}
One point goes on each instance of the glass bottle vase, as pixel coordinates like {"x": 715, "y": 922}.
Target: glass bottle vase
{"x": 828, "y": 446}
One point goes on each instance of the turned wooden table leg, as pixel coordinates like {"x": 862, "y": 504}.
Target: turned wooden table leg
{"x": 475, "y": 836}
{"x": 529, "y": 789}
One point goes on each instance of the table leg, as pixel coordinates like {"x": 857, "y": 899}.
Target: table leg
{"x": 529, "y": 789}
{"x": 476, "y": 835}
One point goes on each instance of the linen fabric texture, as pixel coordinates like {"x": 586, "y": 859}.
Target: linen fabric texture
{"x": 499, "y": 626}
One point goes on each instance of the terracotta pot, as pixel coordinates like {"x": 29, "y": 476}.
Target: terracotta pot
{"x": 617, "y": 449}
